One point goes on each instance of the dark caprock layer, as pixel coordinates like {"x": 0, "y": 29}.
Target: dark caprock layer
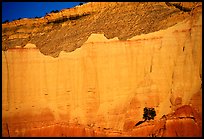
{"x": 123, "y": 20}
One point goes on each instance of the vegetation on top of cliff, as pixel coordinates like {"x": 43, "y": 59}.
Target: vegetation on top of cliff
{"x": 6, "y": 21}
{"x": 54, "y": 11}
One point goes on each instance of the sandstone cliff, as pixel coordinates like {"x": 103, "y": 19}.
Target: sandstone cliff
{"x": 129, "y": 56}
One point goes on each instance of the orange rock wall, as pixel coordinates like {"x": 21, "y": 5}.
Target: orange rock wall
{"x": 105, "y": 83}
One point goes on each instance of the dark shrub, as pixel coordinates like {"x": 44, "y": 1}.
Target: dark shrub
{"x": 54, "y": 11}
{"x": 6, "y": 21}
{"x": 149, "y": 113}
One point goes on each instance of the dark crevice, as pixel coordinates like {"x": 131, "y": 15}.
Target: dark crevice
{"x": 8, "y": 82}
{"x": 64, "y": 19}
{"x": 176, "y": 133}
{"x": 178, "y": 6}
{"x": 140, "y": 122}
{"x": 182, "y": 8}
{"x": 151, "y": 64}
{"x": 187, "y": 117}
{"x": 168, "y": 4}
{"x": 172, "y": 77}
{"x": 8, "y": 129}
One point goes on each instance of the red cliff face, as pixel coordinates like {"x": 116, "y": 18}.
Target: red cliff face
{"x": 101, "y": 88}
{"x": 171, "y": 125}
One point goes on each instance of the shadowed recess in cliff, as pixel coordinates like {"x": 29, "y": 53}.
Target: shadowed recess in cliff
{"x": 118, "y": 19}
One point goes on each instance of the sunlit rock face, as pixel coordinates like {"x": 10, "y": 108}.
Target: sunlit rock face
{"x": 101, "y": 88}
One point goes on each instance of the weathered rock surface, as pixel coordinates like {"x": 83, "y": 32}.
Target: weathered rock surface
{"x": 69, "y": 29}
{"x": 101, "y": 88}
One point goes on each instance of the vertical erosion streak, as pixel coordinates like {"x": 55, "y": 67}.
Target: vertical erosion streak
{"x": 58, "y": 91}
{"x": 150, "y": 70}
{"x": 45, "y": 89}
{"x": 8, "y": 98}
{"x": 152, "y": 57}
{"x": 8, "y": 129}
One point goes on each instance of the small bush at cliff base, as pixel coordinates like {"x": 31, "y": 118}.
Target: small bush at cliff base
{"x": 149, "y": 113}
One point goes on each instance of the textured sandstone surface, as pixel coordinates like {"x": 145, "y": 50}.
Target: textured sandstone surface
{"x": 101, "y": 88}
{"x": 69, "y": 29}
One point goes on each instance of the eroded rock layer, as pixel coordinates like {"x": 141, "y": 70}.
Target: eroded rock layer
{"x": 68, "y": 29}
{"x": 101, "y": 88}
